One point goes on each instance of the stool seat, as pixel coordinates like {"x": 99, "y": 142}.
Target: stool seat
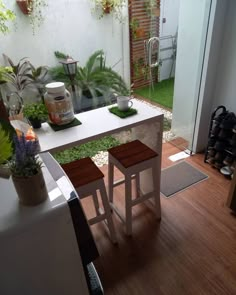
{"x": 87, "y": 179}
{"x": 132, "y": 153}
{"x": 82, "y": 172}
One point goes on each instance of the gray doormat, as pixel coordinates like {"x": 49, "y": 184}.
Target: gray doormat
{"x": 178, "y": 177}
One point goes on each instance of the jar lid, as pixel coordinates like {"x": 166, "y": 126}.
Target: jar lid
{"x": 55, "y": 87}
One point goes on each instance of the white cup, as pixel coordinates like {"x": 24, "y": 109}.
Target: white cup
{"x": 124, "y": 103}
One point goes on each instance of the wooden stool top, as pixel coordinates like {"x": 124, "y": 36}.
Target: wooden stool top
{"x": 132, "y": 153}
{"x": 82, "y": 172}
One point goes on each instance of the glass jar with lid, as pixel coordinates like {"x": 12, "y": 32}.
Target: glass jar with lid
{"x": 59, "y": 104}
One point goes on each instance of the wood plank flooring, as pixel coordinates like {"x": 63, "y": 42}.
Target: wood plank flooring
{"x": 191, "y": 251}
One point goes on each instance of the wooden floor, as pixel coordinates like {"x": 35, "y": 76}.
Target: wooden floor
{"x": 191, "y": 251}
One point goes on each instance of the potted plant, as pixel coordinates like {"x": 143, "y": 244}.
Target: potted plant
{"x": 6, "y": 15}
{"x": 26, "y": 171}
{"x": 137, "y": 31}
{"x": 36, "y": 113}
{"x": 24, "y": 5}
{"x": 114, "y": 7}
{"x": 33, "y": 8}
{"x": 152, "y": 7}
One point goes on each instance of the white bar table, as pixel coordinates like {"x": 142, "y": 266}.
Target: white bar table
{"x": 147, "y": 126}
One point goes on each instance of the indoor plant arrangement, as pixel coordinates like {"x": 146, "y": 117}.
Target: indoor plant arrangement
{"x": 36, "y": 113}
{"x": 109, "y": 7}
{"x": 25, "y": 168}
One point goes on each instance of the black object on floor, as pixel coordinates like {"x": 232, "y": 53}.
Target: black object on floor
{"x": 179, "y": 177}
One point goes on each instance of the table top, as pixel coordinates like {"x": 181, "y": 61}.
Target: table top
{"x": 95, "y": 124}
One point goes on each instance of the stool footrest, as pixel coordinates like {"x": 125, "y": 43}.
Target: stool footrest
{"x": 96, "y": 219}
{"x": 142, "y": 198}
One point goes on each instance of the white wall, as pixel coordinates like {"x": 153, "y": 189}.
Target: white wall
{"x": 193, "y": 19}
{"x": 225, "y": 87}
{"x": 210, "y": 71}
{"x": 68, "y": 27}
{"x": 169, "y": 11}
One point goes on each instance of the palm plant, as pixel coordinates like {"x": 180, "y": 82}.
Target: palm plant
{"x": 96, "y": 79}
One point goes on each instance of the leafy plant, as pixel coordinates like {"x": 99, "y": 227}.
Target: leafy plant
{"x": 17, "y": 76}
{"x": 103, "y": 7}
{"x": 25, "y": 162}
{"x": 36, "y": 111}
{"x": 5, "y": 146}
{"x": 4, "y": 71}
{"x": 60, "y": 55}
{"x": 95, "y": 78}
{"x": 134, "y": 25}
{"x": 58, "y": 74}
{"x": 39, "y": 78}
{"x": 151, "y": 7}
{"x": 35, "y": 8}
{"x": 6, "y": 15}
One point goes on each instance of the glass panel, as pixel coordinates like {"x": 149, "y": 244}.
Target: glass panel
{"x": 174, "y": 55}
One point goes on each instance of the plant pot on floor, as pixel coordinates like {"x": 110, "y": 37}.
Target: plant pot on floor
{"x": 31, "y": 190}
{"x": 35, "y": 122}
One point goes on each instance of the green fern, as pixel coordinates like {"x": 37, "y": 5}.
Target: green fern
{"x": 5, "y": 146}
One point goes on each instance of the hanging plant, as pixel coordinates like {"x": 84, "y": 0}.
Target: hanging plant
{"x": 104, "y": 7}
{"x": 152, "y": 7}
{"x": 6, "y": 15}
{"x": 137, "y": 31}
{"x": 33, "y": 8}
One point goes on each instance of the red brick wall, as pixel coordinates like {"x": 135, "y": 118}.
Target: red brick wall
{"x": 148, "y": 26}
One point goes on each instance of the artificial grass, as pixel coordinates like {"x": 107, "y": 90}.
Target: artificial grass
{"x": 75, "y": 122}
{"x": 89, "y": 149}
{"x": 123, "y": 114}
{"x": 162, "y": 92}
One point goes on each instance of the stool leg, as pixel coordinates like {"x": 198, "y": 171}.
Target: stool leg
{"x": 107, "y": 210}
{"x": 110, "y": 180}
{"x": 128, "y": 205}
{"x": 137, "y": 180}
{"x": 156, "y": 190}
{"x": 96, "y": 204}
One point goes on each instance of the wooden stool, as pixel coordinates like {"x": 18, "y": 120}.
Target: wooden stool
{"x": 87, "y": 179}
{"x": 132, "y": 158}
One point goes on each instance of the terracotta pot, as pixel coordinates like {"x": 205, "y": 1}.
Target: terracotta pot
{"x": 31, "y": 190}
{"x": 140, "y": 33}
{"x": 107, "y": 8}
{"x": 24, "y": 5}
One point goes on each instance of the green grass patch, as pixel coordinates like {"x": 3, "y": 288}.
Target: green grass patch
{"x": 162, "y": 92}
{"x": 89, "y": 149}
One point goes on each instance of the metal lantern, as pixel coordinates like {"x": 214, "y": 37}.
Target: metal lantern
{"x": 70, "y": 67}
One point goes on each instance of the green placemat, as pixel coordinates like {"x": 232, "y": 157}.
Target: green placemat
{"x": 123, "y": 114}
{"x": 75, "y": 122}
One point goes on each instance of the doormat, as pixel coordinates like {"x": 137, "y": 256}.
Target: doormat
{"x": 179, "y": 177}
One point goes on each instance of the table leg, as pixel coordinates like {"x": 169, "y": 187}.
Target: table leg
{"x": 151, "y": 135}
